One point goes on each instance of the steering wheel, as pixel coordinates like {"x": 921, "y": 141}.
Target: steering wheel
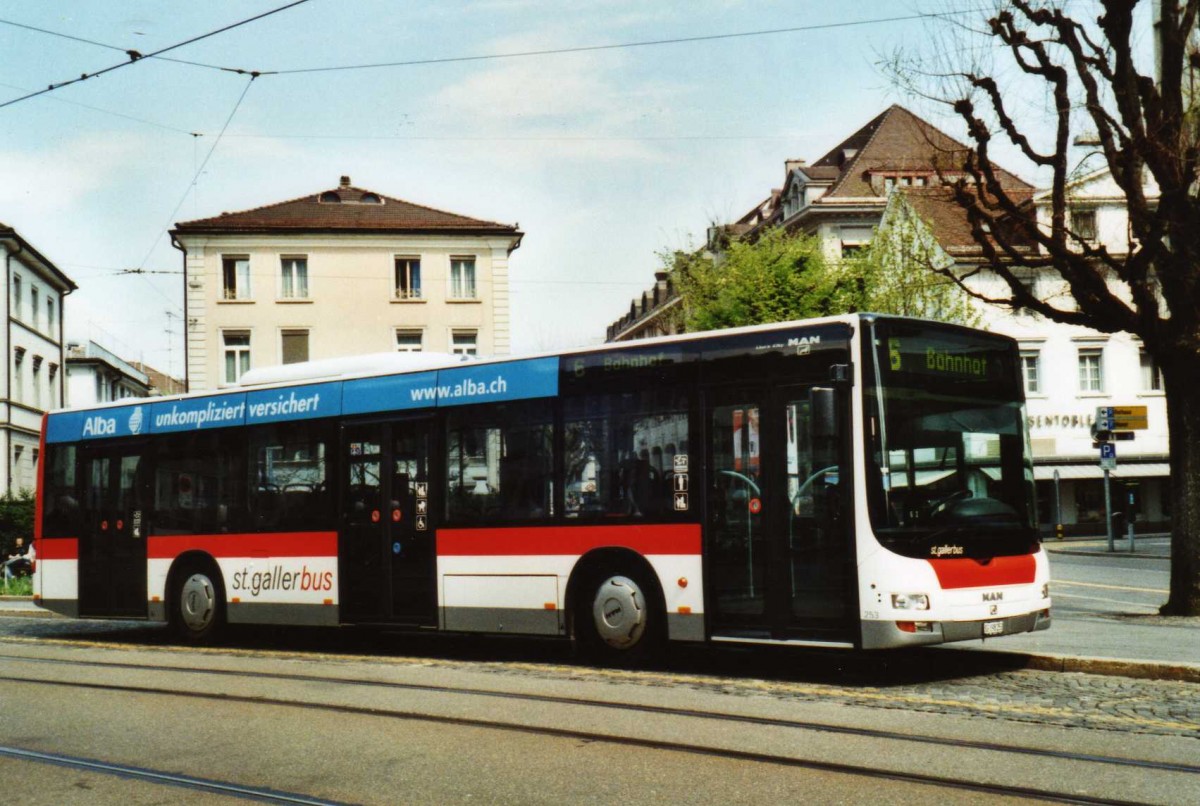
{"x": 940, "y": 505}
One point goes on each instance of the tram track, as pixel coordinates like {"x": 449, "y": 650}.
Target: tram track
{"x": 657, "y": 710}
{"x": 605, "y": 737}
{"x": 207, "y": 785}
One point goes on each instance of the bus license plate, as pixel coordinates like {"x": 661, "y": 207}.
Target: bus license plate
{"x": 993, "y": 628}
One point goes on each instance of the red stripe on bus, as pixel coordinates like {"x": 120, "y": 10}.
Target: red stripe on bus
{"x": 570, "y": 540}
{"x": 276, "y": 544}
{"x": 58, "y": 548}
{"x": 965, "y": 572}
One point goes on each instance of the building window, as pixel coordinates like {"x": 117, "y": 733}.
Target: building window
{"x": 464, "y": 342}
{"x": 53, "y": 375}
{"x": 293, "y": 282}
{"x": 1152, "y": 380}
{"x": 1083, "y": 222}
{"x": 34, "y": 304}
{"x": 408, "y": 341}
{"x": 18, "y": 373}
{"x": 295, "y": 346}
{"x": 37, "y": 381}
{"x": 1091, "y": 378}
{"x": 237, "y": 354}
{"x": 1029, "y": 371}
{"x": 408, "y": 278}
{"x": 235, "y": 274}
{"x": 16, "y": 296}
{"x": 462, "y": 278}
{"x": 50, "y": 321}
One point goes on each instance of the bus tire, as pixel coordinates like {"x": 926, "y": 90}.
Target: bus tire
{"x": 197, "y": 614}
{"x": 618, "y": 617}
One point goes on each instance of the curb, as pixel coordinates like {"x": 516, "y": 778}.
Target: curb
{"x": 1110, "y": 667}
{"x": 1081, "y": 553}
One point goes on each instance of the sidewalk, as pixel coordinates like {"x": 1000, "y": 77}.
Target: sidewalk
{"x": 1150, "y": 546}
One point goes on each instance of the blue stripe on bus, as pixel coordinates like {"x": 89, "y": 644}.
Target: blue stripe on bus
{"x": 456, "y": 386}
{"x": 294, "y": 403}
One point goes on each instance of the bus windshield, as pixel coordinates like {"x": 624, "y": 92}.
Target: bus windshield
{"x": 949, "y": 471}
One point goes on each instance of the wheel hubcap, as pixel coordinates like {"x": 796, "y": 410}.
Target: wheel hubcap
{"x": 619, "y": 612}
{"x": 197, "y": 602}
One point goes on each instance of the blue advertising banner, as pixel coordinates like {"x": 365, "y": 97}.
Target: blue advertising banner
{"x": 491, "y": 383}
{"x": 71, "y": 426}
{"x": 415, "y": 391}
{"x": 457, "y": 386}
{"x": 294, "y": 403}
{"x": 193, "y": 414}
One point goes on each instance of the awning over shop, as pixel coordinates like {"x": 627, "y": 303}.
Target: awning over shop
{"x": 1131, "y": 470}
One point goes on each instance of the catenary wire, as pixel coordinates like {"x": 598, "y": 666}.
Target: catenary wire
{"x": 619, "y": 45}
{"x": 129, "y": 51}
{"x": 140, "y": 56}
{"x": 196, "y": 177}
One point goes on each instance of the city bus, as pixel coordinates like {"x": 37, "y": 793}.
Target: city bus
{"x": 860, "y": 481}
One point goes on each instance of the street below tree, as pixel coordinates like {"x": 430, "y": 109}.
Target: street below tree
{"x": 346, "y": 716}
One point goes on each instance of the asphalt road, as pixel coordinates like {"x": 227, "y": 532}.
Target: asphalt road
{"x": 1109, "y": 583}
{"x": 338, "y": 716}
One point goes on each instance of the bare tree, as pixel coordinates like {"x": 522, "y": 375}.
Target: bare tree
{"x": 1145, "y": 128}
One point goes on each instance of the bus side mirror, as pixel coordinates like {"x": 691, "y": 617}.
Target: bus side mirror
{"x": 824, "y": 412}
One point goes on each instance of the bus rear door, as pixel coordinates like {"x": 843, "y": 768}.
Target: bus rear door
{"x": 386, "y": 546}
{"x": 112, "y": 540}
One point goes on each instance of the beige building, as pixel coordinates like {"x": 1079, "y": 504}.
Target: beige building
{"x": 341, "y": 272}
{"x": 33, "y": 341}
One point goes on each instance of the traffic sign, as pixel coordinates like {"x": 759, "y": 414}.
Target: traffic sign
{"x": 1122, "y": 418}
{"x": 1108, "y": 456}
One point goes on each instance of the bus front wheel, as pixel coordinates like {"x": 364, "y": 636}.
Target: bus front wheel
{"x": 618, "y": 619}
{"x": 198, "y": 607}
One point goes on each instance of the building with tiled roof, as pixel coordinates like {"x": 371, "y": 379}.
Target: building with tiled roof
{"x": 33, "y": 341}
{"x": 840, "y": 197}
{"x": 338, "y": 272}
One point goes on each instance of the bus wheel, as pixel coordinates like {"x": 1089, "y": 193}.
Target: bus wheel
{"x": 198, "y": 608}
{"x": 617, "y": 620}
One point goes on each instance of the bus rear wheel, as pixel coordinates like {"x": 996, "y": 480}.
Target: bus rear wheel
{"x": 618, "y": 620}
{"x": 198, "y": 606}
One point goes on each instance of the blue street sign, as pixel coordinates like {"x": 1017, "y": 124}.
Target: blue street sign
{"x": 1108, "y": 450}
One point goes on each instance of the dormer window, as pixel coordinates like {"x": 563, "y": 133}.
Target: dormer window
{"x": 330, "y": 197}
{"x": 371, "y": 198}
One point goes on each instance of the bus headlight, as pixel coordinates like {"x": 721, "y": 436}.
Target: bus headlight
{"x": 910, "y": 601}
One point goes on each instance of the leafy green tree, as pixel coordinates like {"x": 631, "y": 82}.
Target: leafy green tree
{"x": 16, "y": 519}
{"x": 893, "y": 274}
{"x": 781, "y": 276}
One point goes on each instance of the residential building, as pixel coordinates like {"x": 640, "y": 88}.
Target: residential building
{"x": 344, "y": 271}
{"x": 839, "y": 199}
{"x": 1068, "y": 370}
{"x": 96, "y": 375}
{"x": 33, "y": 341}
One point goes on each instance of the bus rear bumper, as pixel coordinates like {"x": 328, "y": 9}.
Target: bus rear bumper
{"x": 893, "y": 634}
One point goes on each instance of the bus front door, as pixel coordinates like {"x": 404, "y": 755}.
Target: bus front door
{"x": 112, "y": 540}
{"x": 778, "y": 539}
{"x": 387, "y": 538}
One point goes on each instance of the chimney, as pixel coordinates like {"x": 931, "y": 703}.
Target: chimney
{"x": 345, "y": 182}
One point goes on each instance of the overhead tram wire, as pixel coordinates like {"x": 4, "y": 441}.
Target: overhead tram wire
{"x": 141, "y": 266}
{"x": 620, "y": 45}
{"x": 127, "y": 51}
{"x": 135, "y": 57}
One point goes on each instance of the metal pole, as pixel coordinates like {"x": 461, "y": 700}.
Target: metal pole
{"x": 1058, "y": 524}
{"x": 1129, "y": 520}
{"x": 1108, "y": 510}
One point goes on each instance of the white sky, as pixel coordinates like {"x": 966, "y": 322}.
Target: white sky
{"x": 603, "y": 157}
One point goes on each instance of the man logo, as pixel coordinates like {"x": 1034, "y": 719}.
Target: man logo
{"x": 136, "y": 420}
{"x": 993, "y": 596}
{"x": 804, "y": 344}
